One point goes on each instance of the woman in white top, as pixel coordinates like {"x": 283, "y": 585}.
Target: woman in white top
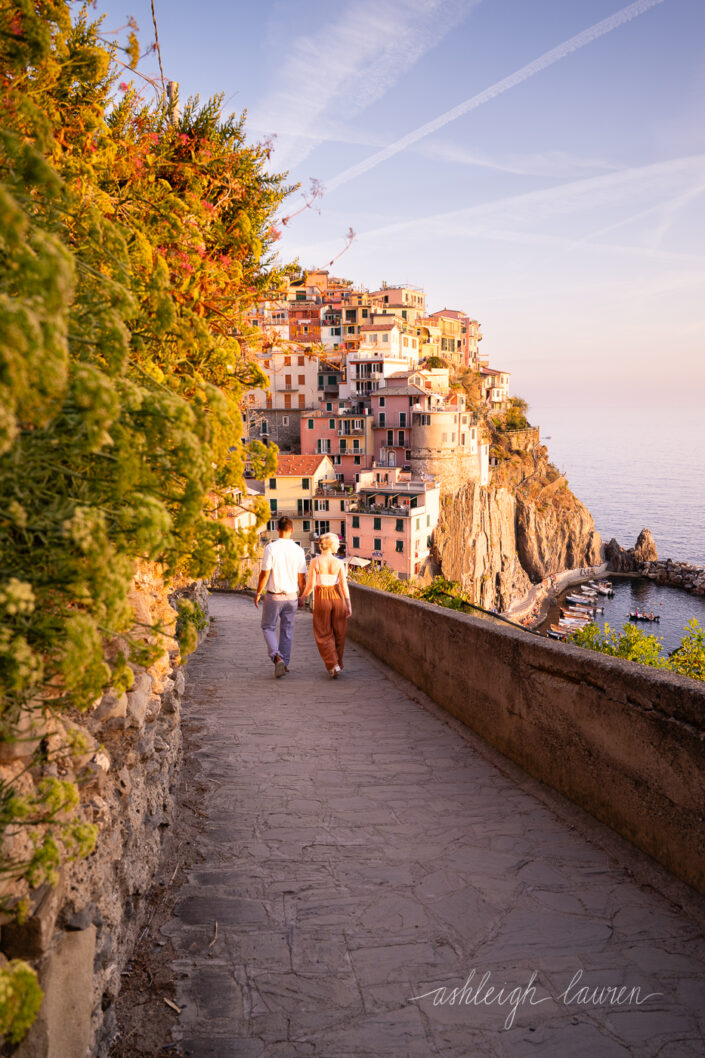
{"x": 331, "y": 603}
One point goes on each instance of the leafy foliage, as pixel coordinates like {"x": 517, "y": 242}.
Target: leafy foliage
{"x": 20, "y": 999}
{"x": 131, "y": 248}
{"x": 635, "y": 645}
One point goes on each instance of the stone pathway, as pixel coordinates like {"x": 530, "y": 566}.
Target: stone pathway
{"x": 358, "y": 851}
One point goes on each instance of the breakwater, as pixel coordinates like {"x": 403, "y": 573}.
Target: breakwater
{"x": 682, "y": 575}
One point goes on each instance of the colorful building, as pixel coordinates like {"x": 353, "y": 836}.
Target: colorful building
{"x": 343, "y": 431}
{"x": 293, "y": 492}
{"x": 391, "y": 518}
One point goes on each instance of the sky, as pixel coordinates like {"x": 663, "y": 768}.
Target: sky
{"x": 539, "y": 164}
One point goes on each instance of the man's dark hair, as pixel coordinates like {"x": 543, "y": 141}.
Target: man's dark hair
{"x": 284, "y": 524}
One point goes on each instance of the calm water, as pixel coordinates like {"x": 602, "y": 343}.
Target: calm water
{"x": 634, "y": 469}
{"x": 675, "y": 608}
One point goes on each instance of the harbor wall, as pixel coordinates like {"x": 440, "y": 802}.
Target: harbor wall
{"x": 623, "y": 741}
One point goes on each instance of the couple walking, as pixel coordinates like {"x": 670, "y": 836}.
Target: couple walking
{"x": 285, "y": 584}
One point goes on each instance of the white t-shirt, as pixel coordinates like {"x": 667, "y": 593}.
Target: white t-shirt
{"x": 285, "y": 558}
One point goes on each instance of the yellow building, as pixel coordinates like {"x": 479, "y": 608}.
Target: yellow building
{"x": 301, "y": 491}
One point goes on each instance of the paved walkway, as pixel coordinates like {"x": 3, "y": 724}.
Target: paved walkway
{"x": 359, "y": 851}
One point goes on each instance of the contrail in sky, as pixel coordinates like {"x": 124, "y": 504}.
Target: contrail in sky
{"x": 547, "y": 59}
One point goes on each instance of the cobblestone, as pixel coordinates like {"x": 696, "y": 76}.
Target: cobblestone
{"x": 358, "y": 850}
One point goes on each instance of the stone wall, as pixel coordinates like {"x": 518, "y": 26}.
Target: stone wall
{"x": 623, "y": 741}
{"x": 80, "y": 934}
{"x": 523, "y": 440}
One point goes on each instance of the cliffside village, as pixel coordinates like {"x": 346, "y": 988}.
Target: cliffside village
{"x": 369, "y": 427}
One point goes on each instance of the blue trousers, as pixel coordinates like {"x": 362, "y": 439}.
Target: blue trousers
{"x": 277, "y": 609}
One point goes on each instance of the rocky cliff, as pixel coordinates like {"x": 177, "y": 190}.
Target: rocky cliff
{"x": 526, "y": 524}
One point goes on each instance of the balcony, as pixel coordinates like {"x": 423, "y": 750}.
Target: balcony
{"x": 354, "y": 507}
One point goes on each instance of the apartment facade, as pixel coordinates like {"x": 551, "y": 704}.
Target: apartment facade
{"x": 294, "y": 492}
{"x": 391, "y": 519}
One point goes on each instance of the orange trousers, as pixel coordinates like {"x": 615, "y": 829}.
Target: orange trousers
{"x": 329, "y": 625}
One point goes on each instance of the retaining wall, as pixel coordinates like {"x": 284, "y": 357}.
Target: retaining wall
{"x": 80, "y": 934}
{"x": 625, "y": 742}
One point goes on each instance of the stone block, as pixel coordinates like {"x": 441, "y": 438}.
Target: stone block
{"x": 112, "y": 707}
{"x": 180, "y": 682}
{"x": 138, "y": 703}
{"x": 31, "y": 940}
{"x": 63, "y": 1027}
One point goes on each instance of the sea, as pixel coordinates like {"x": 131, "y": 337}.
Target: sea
{"x": 636, "y": 468}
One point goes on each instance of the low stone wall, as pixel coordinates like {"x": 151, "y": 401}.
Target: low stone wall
{"x": 623, "y": 741}
{"x": 523, "y": 440}
{"x": 677, "y": 574}
{"x": 81, "y": 933}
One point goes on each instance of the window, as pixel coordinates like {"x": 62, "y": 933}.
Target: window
{"x": 272, "y": 526}
{"x": 332, "y": 380}
{"x": 377, "y": 542}
{"x": 273, "y": 506}
{"x": 356, "y": 444}
{"x": 463, "y": 440}
{"x": 303, "y": 507}
{"x": 302, "y": 400}
{"x": 342, "y": 505}
{"x": 390, "y": 437}
{"x": 382, "y": 418}
{"x": 287, "y": 400}
{"x": 322, "y": 447}
{"x": 264, "y": 429}
{"x": 402, "y": 418}
{"x": 399, "y": 527}
{"x": 268, "y": 402}
{"x": 287, "y": 382}
{"x": 382, "y": 402}
{"x": 364, "y": 314}
{"x": 350, "y": 314}
{"x": 377, "y": 524}
{"x": 358, "y": 424}
{"x": 307, "y": 525}
{"x": 310, "y": 424}
{"x": 402, "y": 439}
{"x": 385, "y": 337}
{"x": 425, "y": 420}
{"x": 329, "y": 405}
{"x": 343, "y": 445}
{"x": 272, "y": 483}
{"x": 356, "y": 521}
{"x": 407, "y": 455}
{"x": 322, "y": 527}
{"x": 321, "y": 505}
{"x": 428, "y": 519}
{"x": 335, "y": 331}
{"x": 357, "y": 461}
{"x": 287, "y": 361}
{"x": 305, "y": 483}
{"x": 335, "y": 460}
{"x": 399, "y": 546}
{"x": 356, "y": 543}
{"x": 331, "y": 424}
{"x": 302, "y": 380}
{"x": 418, "y": 525}
{"x": 320, "y": 381}
{"x": 301, "y": 362}
{"x": 285, "y": 420}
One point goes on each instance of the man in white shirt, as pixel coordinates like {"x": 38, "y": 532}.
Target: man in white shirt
{"x": 283, "y": 576}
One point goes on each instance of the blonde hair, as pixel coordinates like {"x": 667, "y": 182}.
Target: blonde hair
{"x": 329, "y": 542}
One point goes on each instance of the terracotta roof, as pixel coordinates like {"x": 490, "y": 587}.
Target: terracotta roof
{"x": 378, "y": 326}
{"x": 493, "y": 371}
{"x": 296, "y": 465}
{"x": 453, "y": 313}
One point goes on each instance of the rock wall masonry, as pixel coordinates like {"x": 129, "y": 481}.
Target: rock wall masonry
{"x": 81, "y": 933}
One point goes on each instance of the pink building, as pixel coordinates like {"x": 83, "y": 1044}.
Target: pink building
{"x": 343, "y": 431}
{"x": 391, "y": 519}
{"x": 392, "y": 408}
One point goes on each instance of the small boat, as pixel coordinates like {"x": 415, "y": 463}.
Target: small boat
{"x": 553, "y": 634}
{"x": 639, "y": 615}
{"x": 602, "y": 587}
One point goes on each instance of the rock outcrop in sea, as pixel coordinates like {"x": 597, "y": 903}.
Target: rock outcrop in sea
{"x": 633, "y": 559}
